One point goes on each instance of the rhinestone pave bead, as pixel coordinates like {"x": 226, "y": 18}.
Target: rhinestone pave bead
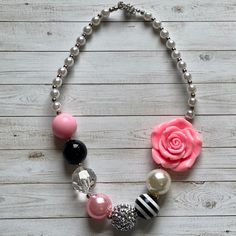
{"x": 124, "y": 217}
{"x": 83, "y": 179}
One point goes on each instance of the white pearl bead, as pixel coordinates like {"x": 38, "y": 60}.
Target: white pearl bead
{"x": 156, "y": 24}
{"x": 62, "y": 71}
{"x": 175, "y": 54}
{"x": 187, "y": 76}
{"x": 192, "y": 101}
{"x": 56, "y": 106}
{"x": 189, "y": 114}
{"x": 164, "y": 33}
{"x": 88, "y": 30}
{"x": 81, "y": 40}
{"x": 96, "y": 20}
{"x": 57, "y": 82}
{"x": 181, "y": 65}
{"x": 69, "y": 61}
{"x": 147, "y": 16}
{"x": 192, "y": 88}
{"x": 170, "y": 43}
{"x": 105, "y": 13}
{"x": 55, "y": 93}
{"x": 158, "y": 182}
{"x": 74, "y": 51}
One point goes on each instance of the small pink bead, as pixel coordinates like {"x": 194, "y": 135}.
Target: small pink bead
{"x": 99, "y": 206}
{"x": 64, "y": 125}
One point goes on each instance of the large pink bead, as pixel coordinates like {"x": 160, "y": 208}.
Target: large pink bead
{"x": 99, "y": 206}
{"x": 64, "y": 125}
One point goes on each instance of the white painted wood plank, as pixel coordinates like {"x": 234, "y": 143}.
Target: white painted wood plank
{"x": 109, "y": 132}
{"x": 59, "y": 200}
{"x": 110, "y": 165}
{"x": 120, "y": 67}
{"x": 49, "y": 10}
{"x": 161, "y": 226}
{"x": 90, "y": 100}
{"x": 45, "y": 36}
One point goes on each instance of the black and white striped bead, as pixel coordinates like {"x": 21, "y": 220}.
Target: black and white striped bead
{"x": 146, "y": 206}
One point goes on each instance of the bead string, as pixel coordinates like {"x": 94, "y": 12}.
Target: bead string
{"x": 156, "y": 24}
{"x": 175, "y": 144}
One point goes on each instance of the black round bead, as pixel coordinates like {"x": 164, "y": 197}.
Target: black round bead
{"x": 75, "y": 152}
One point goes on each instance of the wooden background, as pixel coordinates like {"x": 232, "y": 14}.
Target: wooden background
{"x": 123, "y": 84}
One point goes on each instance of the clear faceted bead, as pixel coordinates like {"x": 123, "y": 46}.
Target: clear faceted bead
{"x": 83, "y": 179}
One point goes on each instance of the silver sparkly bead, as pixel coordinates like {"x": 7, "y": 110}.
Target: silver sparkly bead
{"x": 62, "y": 71}
{"x": 189, "y": 114}
{"x": 156, "y": 24}
{"x": 105, "y": 13}
{"x": 96, "y": 20}
{"x": 74, "y": 51}
{"x": 164, "y": 33}
{"x": 57, "y": 82}
{"x": 83, "y": 179}
{"x": 192, "y": 101}
{"x": 88, "y": 30}
{"x": 147, "y": 16}
{"x": 175, "y": 54}
{"x": 170, "y": 43}
{"x": 124, "y": 217}
{"x": 55, "y": 93}
{"x": 69, "y": 61}
{"x": 81, "y": 40}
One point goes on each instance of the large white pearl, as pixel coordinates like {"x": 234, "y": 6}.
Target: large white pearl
{"x": 192, "y": 88}
{"x": 69, "y": 61}
{"x": 57, "y": 82}
{"x": 81, "y": 40}
{"x": 192, "y": 101}
{"x": 170, "y": 43}
{"x": 181, "y": 65}
{"x": 164, "y": 33}
{"x": 62, "y": 71}
{"x": 158, "y": 182}
{"x": 55, "y": 93}
{"x": 56, "y": 106}
{"x": 74, "y": 51}
{"x": 156, "y": 24}
{"x": 147, "y": 16}
{"x": 175, "y": 54}
{"x": 96, "y": 20}
{"x": 88, "y": 30}
{"x": 187, "y": 76}
{"x": 105, "y": 13}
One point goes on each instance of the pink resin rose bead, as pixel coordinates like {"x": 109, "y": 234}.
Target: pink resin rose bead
{"x": 99, "y": 206}
{"x": 176, "y": 145}
{"x": 64, "y": 125}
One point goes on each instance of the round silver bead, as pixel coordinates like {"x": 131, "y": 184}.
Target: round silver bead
{"x": 170, "y": 43}
{"x": 189, "y": 114}
{"x": 62, "y": 71}
{"x": 147, "y": 16}
{"x": 105, "y": 13}
{"x": 81, "y": 40}
{"x": 187, "y": 76}
{"x": 88, "y": 30}
{"x": 156, "y": 24}
{"x": 181, "y": 65}
{"x": 164, "y": 33}
{"x": 55, "y": 93}
{"x": 74, "y": 51}
{"x": 124, "y": 217}
{"x": 192, "y": 101}
{"x": 175, "y": 54}
{"x": 56, "y": 106}
{"x": 96, "y": 20}
{"x": 69, "y": 61}
{"x": 57, "y": 82}
{"x": 192, "y": 88}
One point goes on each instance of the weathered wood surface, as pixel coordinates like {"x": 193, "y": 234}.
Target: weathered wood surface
{"x": 123, "y": 84}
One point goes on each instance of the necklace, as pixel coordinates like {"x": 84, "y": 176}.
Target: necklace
{"x": 175, "y": 144}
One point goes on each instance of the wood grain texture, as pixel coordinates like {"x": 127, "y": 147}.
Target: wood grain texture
{"x": 124, "y": 83}
{"x": 48, "y": 36}
{"x": 121, "y": 67}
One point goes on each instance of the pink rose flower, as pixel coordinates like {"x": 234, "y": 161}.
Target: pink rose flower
{"x": 176, "y": 145}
